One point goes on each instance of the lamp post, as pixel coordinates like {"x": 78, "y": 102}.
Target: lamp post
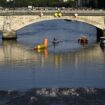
{"x": 76, "y": 3}
{"x": 9, "y": 3}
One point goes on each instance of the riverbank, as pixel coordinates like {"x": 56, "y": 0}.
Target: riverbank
{"x": 54, "y": 96}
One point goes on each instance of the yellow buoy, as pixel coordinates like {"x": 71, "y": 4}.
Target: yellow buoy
{"x": 42, "y": 46}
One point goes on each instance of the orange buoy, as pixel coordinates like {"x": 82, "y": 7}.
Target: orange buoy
{"x": 46, "y": 42}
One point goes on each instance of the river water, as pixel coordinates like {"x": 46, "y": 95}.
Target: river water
{"x": 66, "y": 64}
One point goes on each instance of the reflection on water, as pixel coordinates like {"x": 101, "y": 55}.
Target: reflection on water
{"x": 67, "y": 64}
{"x": 12, "y": 51}
{"x": 22, "y": 67}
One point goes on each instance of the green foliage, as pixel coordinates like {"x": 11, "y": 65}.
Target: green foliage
{"x": 46, "y": 3}
{"x": 24, "y": 3}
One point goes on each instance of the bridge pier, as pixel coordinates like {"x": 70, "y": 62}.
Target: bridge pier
{"x": 8, "y": 35}
{"x": 99, "y": 34}
{"x": 104, "y": 32}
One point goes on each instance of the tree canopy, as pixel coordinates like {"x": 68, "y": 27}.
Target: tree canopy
{"x": 24, "y": 3}
{"x": 49, "y": 3}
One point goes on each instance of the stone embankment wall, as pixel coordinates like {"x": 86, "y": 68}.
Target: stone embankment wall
{"x": 54, "y": 96}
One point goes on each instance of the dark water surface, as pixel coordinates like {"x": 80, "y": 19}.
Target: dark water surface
{"x": 68, "y": 64}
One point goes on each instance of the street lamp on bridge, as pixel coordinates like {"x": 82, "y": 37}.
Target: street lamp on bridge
{"x": 9, "y": 3}
{"x": 9, "y": 0}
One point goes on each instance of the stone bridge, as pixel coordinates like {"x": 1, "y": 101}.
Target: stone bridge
{"x": 20, "y": 21}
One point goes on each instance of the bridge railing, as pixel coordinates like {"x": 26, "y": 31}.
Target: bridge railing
{"x": 49, "y": 12}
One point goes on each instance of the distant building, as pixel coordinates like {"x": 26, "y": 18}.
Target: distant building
{"x": 101, "y": 4}
{"x": 87, "y": 3}
{"x": 91, "y": 3}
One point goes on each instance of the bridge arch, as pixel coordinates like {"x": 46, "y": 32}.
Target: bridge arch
{"x": 97, "y": 21}
{"x": 22, "y": 21}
